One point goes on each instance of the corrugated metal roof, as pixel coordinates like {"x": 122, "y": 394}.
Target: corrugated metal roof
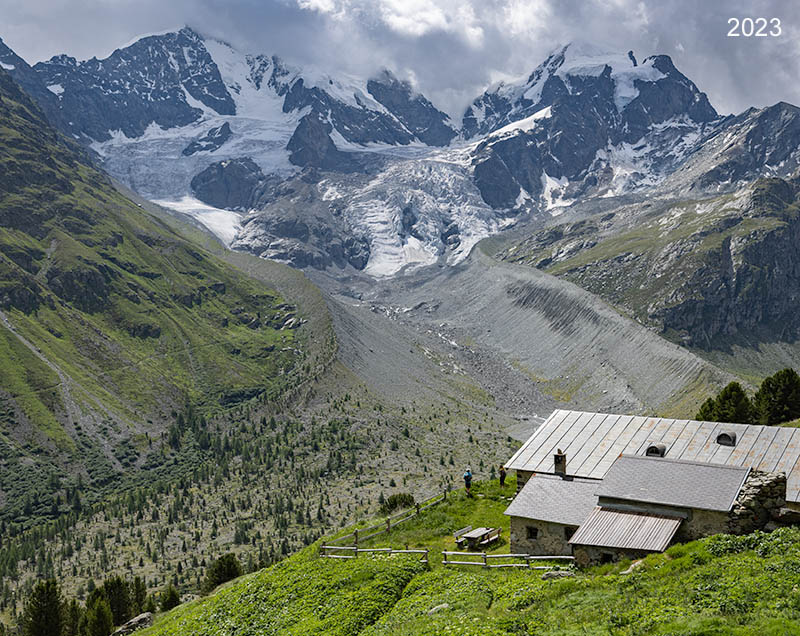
{"x": 549, "y": 498}
{"x": 671, "y": 482}
{"x": 593, "y": 441}
{"x": 608, "y": 528}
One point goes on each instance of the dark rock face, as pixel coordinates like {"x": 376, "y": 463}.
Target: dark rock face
{"x": 147, "y": 82}
{"x": 311, "y": 146}
{"x": 286, "y": 236}
{"x": 703, "y": 280}
{"x": 231, "y": 184}
{"x": 589, "y": 112}
{"x": 211, "y": 141}
{"x": 744, "y": 284}
{"x": 417, "y": 114}
{"x": 32, "y": 84}
{"x": 299, "y": 228}
{"x": 765, "y": 137}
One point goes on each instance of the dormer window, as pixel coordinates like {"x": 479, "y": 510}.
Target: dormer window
{"x": 656, "y": 450}
{"x": 726, "y": 438}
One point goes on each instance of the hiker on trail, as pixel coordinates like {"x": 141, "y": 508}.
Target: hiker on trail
{"x": 502, "y": 476}
{"x": 467, "y": 479}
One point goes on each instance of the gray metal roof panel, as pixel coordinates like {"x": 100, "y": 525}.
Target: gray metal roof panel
{"x": 553, "y": 499}
{"x": 608, "y": 528}
{"x": 593, "y": 443}
{"x": 669, "y": 482}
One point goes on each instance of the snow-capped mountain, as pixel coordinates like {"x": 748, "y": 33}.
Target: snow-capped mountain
{"x": 585, "y": 122}
{"x": 175, "y": 79}
{"x": 345, "y": 172}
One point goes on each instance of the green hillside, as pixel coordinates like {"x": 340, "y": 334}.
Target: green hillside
{"x": 111, "y": 322}
{"x": 719, "y": 585}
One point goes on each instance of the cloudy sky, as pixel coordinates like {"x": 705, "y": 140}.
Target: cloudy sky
{"x": 451, "y": 49}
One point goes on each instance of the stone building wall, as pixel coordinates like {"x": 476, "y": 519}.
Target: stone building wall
{"x": 586, "y": 555}
{"x": 759, "y": 503}
{"x": 701, "y": 523}
{"x": 552, "y": 538}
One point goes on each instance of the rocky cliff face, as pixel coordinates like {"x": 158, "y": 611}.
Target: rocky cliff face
{"x": 165, "y": 80}
{"x": 234, "y": 184}
{"x": 413, "y": 110}
{"x": 749, "y": 281}
{"x": 699, "y": 271}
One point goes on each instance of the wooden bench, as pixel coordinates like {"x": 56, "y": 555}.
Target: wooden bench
{"x": 459, "y": 535}
{"x": 491, "y": 537}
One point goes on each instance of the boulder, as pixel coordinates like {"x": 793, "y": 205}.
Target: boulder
{"x": 139, "y": 622}
{"x": 557, "y": 574}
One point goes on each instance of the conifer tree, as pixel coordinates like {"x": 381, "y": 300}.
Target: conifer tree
{"x": 99, "y": 620}
{"x": 138, "y": 595}
{"x": 42, "y": 615}
{"x": 73, "y": 615}
{"x": 778, "y": 398}
{"x": 117, "y": 594}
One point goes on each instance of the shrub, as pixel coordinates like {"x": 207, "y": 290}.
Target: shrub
{"x": 224, "y": 569}
{"x": 396, "y": 502}
{"x": 170, "y": 598}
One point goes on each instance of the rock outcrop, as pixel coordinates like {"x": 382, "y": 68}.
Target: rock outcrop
{"x": 234, "y": 184}
{"x": 139, "y": 622}
{"x": 211, "y": 141}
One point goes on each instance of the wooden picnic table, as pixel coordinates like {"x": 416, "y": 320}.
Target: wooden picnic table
{"x": 474, "y": 537}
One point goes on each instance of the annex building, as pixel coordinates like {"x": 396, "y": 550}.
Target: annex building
{"x": 604, "y": 486}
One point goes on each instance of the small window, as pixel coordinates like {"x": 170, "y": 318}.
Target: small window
{"x": 532, "y": 533}
{"x": 656, "y": 450}
{"x": 726, "y": 439}
{"x": 569, "y": 531}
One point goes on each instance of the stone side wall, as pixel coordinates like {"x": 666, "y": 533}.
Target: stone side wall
{"x": 552, "y": 538}
{"x": 586, "y": 555}
{"x": 701, "y": 523}
{"x": 759, "y": 503}
{"x": 522, "y": 478}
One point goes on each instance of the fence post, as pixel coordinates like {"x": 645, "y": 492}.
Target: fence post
{"x": 355, "y": 538}
{"x": 388, "y": 524}
{"x": 444, "y": 557}
{"x": 445, "y": 495}
{"x": 416, "y": 505}
{"x": 485, "y": 561}
{"x": 427, "y": 560}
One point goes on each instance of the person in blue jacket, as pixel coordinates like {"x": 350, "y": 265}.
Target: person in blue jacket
{"x": 468, "y": 479}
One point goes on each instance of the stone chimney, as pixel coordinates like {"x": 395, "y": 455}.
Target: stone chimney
{"x": 560, "y": 462}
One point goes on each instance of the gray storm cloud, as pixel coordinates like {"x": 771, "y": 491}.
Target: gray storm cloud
{"x": 450, "y": 49}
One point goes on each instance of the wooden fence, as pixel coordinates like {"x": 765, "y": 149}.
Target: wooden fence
{"x": 363, "y": 534}
{"x": 326, "y": 550}
{"x": 485, "y": 560}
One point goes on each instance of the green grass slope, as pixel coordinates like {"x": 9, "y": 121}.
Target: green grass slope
{"x": 719, "y": 585}
{"x": 110, "y": 321}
